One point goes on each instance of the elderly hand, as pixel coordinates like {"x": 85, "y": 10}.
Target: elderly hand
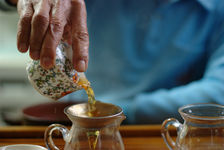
{"x": 43, "y": 24}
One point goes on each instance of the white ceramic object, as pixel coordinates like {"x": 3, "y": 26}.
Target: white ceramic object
{"x": 22, "y": 147}
{"x": 58, "y": 81}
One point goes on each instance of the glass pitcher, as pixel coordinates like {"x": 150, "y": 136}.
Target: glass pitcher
{"x": 89, "y": 133}
{"x": 203, "y": 128}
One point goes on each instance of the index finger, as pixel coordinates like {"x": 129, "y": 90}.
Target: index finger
{"x": 25, "y": 11}
{"x": 80, "y": 36}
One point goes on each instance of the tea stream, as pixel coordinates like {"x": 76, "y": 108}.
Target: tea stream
{"x": 92, "y": 111}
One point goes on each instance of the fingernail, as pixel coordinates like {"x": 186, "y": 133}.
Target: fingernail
{"x": 47, "y": 62}
{"x": 23, "y": 47}
{"x": 35, "y": 55}
{"x": 81, "y": 66}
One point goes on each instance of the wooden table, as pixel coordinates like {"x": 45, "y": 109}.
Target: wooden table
{"x": 135, "y": 137}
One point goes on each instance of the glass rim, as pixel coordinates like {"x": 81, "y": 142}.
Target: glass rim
{"x": 92, "y": 118}
{"x": 215, "y": 118}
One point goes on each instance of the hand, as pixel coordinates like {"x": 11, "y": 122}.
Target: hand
{"x": 42, "y": 25}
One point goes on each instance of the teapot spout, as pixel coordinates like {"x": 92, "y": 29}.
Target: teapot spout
{"x": 120, "y": 118}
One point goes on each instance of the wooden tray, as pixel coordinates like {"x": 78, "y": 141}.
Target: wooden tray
{"x": 135, "y": 137}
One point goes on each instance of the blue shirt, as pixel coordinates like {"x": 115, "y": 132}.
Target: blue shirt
{"x": 153, "y": 56}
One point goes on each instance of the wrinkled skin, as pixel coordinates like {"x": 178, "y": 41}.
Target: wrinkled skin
{"x": 44, "y": 23}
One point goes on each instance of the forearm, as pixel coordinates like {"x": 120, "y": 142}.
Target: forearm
{"x": 163, "y": 104}
{"x": 154, "y": 107}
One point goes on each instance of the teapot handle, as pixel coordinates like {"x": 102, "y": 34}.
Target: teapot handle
{"x": 165, "y": 132}
{"x": 48, "y": 135}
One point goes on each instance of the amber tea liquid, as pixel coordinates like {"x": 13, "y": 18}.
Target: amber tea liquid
{"x": 92, "y": 112}
{"x": 84, "y": 83}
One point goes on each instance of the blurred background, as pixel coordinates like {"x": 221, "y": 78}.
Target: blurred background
{"x": 16, "y": 92}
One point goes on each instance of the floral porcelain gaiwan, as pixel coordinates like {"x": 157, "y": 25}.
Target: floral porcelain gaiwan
{"x": 58, "y": 81}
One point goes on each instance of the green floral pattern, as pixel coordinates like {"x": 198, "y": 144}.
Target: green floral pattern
{"x": 57, "y": 81}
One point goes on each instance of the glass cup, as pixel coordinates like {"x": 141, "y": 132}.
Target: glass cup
{"x": 90, "y": 133}
{"x": 203, "y": 128}
{"x": 22, "y": 147}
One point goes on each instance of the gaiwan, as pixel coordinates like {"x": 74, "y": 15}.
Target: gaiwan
{"x": 58, "y": 81}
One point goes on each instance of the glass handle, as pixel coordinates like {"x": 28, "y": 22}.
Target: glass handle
{"x": 165, "y": 131}
{"x": 48, "y": 135}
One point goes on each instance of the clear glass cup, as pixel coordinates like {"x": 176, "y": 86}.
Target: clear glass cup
{"x": 203, "y": 128}
{"x": 90, "y": 133}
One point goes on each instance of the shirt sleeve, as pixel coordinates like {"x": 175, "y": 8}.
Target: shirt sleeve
{"x": 156, "y": 106}
{"x": 7, "y": 6}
